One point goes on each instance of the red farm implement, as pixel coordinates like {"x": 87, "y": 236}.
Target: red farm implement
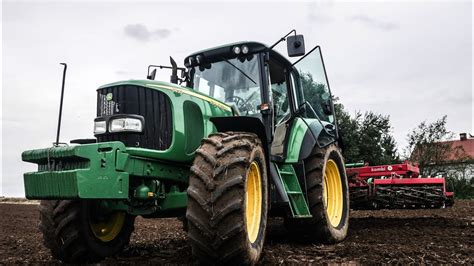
{"x": 397, "y": 186}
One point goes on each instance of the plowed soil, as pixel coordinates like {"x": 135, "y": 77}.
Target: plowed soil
{"x": 383, "y": 236}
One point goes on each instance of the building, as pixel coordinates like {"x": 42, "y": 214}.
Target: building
{"x": 459, "y": 162}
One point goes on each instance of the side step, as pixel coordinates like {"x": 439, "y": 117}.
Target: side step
{"x": 298, "y": 206}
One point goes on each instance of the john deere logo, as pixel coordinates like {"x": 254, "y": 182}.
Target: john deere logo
{"x": 109, "y": 96}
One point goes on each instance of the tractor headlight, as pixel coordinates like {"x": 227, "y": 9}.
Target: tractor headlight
{"x": 125, "y": 124}
{"x": 100, "y": 127}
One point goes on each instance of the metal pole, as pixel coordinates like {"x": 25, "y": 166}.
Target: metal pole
{"x": 61, "y": 104}
{"x": 282, "y": 39}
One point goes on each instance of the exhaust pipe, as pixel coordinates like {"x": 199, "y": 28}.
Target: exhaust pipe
{"x": 174, "y": 71}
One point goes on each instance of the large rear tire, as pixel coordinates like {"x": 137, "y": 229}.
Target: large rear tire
{"x": 76, "y": 232}
{"x": 328, "y": 198}
{"x": 228, "y": 199}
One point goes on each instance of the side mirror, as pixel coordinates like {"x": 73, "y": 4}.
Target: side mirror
{"x": 295, "y": 45}
{"x": 152, "y": 75}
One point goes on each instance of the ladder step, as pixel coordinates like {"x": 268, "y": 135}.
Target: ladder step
{"x": 286, "y": 173}
{"x": 298, "y": 205}
{"x": 295, "y": 192}
{"x": 303, "y": 216}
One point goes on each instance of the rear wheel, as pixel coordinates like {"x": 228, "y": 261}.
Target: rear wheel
{"x": 79, "y": 231}
{"x": 227, "y": 199}
{"x": 328, "y": 197}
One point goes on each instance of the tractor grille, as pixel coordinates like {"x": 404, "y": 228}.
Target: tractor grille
{"x": 153, "y": 105}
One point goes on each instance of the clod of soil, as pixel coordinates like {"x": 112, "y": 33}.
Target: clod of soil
{"x": 383, "y": 236}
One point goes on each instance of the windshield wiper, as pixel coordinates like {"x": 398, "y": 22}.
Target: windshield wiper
{"x": 241, "y": 71}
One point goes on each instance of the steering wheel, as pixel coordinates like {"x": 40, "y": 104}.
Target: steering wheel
{"x": 240, "y": 103}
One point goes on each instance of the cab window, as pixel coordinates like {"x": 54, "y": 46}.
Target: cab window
{"x": 235, "y": 82}
{"x": 280, "y": 100}
{"x": 279, "y": 90}
{"x": 312, "y": 84}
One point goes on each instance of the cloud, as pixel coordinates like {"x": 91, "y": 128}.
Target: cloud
{"x": 320, "y": 12}
{"x": 142, "y": 33}
{"x": 319, "y": 18}
{"x": 122, "y": 72}
{"x": 373, "y": 22}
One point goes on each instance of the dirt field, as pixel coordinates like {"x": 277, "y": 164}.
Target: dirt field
{"x": 387, "y": 236}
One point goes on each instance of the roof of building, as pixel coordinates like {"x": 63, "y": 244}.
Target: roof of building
{"x": 467, "y": 145}
{"x": 460, "y": 149}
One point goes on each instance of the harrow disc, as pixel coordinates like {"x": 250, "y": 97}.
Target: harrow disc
{"x": 402, "y": 197}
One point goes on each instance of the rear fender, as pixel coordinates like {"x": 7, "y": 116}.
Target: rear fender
{"x": 242, "y": 124}
{"x": 305, "y": 134}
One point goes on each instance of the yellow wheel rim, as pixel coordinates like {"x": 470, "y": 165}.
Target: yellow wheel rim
{"x": 332, "y": 193}
{"x": 253, "y": 202}
{"x": 108, "y": 229}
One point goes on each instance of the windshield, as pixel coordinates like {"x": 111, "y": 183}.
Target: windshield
{"x": 233, "y": 81}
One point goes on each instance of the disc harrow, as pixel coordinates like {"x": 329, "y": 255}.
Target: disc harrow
{"x": 396, "y": 187}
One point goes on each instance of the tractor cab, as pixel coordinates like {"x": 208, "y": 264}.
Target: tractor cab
{"x": 232, "y": 77}
{"x": 231, "y": 74}
{"x": 257, "y": 81}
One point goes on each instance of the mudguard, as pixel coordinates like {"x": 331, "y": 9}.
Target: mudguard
{"x": 305, "y": 134}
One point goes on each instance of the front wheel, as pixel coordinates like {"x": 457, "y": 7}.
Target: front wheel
{"x": 80, "y": 231}
{"x": 328, "y": 197}
{"x": 227, "y": 199}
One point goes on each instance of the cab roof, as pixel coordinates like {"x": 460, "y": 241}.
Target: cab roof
{"x": 225, "y": 51}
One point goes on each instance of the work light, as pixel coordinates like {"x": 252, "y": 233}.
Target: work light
{"x": 199, "y": 59}
{"x": 125, "y": 124}
{"x": 245, "y": 49}
{"x": 191, "y": 61}
{"x": 236, "y": 50}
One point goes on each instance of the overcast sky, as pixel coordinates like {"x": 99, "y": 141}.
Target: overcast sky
{"x": 409, "y": 60}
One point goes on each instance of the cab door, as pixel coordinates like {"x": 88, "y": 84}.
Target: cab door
{"x": 312, "y": 85}
{"x": 313, "y": 92}
{"x": 314, "y": 101}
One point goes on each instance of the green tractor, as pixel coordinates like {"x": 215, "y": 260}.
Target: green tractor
{"x": 251, "y": 135}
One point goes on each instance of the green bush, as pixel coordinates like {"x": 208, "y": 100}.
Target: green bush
{"x": 463, "y": 188}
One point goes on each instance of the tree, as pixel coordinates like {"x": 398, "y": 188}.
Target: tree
{"x": 376, "y": 145}
{"x": 349, "y": 131}
{"x": 366, "y": 137}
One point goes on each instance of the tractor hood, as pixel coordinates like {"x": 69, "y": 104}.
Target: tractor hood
{"x": 170, "y": 87}
{"x": 173, "y": 118}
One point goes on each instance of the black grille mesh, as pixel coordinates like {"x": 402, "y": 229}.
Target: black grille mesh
{"x": 153, "y": 105}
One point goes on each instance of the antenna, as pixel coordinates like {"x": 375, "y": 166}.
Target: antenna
{"x": 61, "y": 105}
